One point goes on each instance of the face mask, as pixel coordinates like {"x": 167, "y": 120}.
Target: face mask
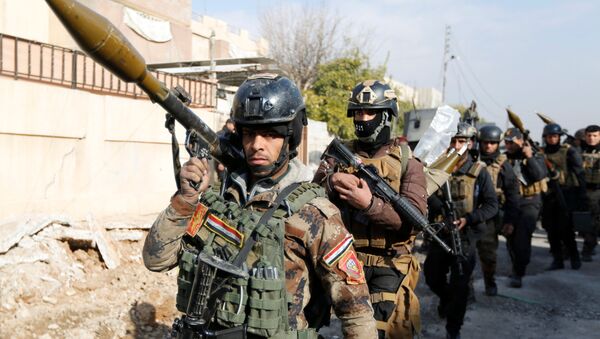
{"x": 368, "y": 131}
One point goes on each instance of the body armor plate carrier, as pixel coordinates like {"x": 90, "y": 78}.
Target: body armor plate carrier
{"x": 259, "y": 301}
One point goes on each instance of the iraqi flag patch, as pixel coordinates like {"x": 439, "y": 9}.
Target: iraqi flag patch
{"x": 227, "y": 232}
{"x": 197, "y": 219}
{"x": 353, "y": 268}
{"x": 336, "y": 253}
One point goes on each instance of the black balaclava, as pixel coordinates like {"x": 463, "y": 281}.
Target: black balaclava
{"x": 374, "y": 133}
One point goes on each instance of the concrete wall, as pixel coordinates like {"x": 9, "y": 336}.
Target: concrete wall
{"x": 75, "y": 152}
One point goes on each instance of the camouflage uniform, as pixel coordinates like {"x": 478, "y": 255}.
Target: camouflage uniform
{"x": 507, "y": 190}
{"x": 383, "y": 242}
{"x": 311, "y": 236}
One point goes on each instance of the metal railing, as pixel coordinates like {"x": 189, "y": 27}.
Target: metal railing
{"x": 33, "y": 60}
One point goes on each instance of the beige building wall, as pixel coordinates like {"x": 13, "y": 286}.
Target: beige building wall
{"x": 229, "y": 43}
{"x": 75, "y": 152}
{"x": 33, "y": 19}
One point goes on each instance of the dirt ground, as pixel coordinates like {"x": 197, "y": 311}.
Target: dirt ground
{"x": 71, "y": 294}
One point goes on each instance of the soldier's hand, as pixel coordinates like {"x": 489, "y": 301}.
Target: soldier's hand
{"x": 460, "y": 223}
{"x": 527, "y": 150}
{"x": 355, "y": 191}
{"x": 343, "y": 179}
{"x": 507, "y": 229}
{"x": 196, "y": 170}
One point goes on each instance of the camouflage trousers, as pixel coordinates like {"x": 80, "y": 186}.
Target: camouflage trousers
{"x": 392, "y": 281}
{"x": 487, "y": 246}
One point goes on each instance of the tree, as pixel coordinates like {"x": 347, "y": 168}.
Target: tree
{"x": 301, "y": 39}
{"x": 327, "y": 100}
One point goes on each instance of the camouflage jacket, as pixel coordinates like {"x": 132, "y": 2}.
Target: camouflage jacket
{"x": 314, "y": 237}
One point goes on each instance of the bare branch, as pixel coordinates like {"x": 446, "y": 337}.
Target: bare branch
{"x": 303, "y": 38}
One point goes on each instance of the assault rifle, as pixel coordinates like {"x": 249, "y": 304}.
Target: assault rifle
{"x": 210, "y": 280}
{"x": 381, "y": 188}
{"x": 450, "y": 214}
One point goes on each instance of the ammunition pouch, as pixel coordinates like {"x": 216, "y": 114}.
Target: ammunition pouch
{"x": 462, "y": 189}
{"x": 537, "y": 187}
{"x": 591, "y": 167}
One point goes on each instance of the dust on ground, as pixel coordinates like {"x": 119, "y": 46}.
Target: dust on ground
{"x": 69, "y": 293}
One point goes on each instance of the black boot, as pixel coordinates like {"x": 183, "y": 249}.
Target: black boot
{"x": 515, "y": 281}
{"x": 557, "y": 264}
{"x": 490, "y": 286}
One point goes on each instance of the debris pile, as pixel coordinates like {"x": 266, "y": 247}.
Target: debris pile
{"x": 63, "y": 278}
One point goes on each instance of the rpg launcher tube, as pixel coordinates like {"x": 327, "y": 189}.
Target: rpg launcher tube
{"x": 104, "y": 43}
{"x": 447, "y": 163}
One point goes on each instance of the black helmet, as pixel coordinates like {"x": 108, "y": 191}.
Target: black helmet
{"x": 490, "y": 133}
{"x": 273, "y": 101}
{"x": 379, "y": 97}
{"x": 465, "y": 130}
{"x": 552, "y": 129}
{"x": 373, "y": 94}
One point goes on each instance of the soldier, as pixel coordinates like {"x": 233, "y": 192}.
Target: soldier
{"x": 383, "y": 242}
{"x": 591, "y": 166}
{"x": 531, "y": 173}
{"x": 565, "y": 194}
{"x": 475, "y": 202}
{"x": 303, "y": 236}
{"x": 507, "y": 190}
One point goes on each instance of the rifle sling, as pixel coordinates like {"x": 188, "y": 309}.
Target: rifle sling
{"x": 241, "y": 257}
{"x": 170, "y": 126}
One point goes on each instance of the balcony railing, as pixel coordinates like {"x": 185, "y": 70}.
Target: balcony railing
{"x": 37, "y": 61}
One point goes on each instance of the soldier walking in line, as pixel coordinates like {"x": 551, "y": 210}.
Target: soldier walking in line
{"x": 507, "y": 190}
{"x": 475, "y": 201}
{"x": 287, "y": 238}
{"x": 531, "y": 174}
{"x": 591, "y": 167}
{"x": 382, "y": 240}
{"x": 565, "y": 194}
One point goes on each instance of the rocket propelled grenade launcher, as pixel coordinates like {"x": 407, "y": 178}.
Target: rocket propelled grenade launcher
{"x": 546, "y": 119}
{"x": 104, "y": 43}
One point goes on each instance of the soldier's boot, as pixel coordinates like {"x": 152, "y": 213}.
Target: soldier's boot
{"x": 575, "y": 261}
{"x": 515, "y": 281}
{"x": 557, "y": 264}
{"x": 490, "y": 284}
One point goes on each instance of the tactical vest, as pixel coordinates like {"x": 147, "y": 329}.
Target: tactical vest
{"x": 260, "y": 301}
{"x": 494, "y": 170}
{"x": 532, "y": 189}
{"x": 591, "y": 167}
{"x": 559, "y": 160}
{"x": 462, "y": 189}
{"x": 390, "y": 167}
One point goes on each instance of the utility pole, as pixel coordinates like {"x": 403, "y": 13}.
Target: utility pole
{"x": 447, "y": 59}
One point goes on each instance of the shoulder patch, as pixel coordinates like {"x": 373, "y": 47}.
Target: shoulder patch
{"x": 325, "y": 206}
{"x": 338, "y": 251}
{"x": 353, "y": 268}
